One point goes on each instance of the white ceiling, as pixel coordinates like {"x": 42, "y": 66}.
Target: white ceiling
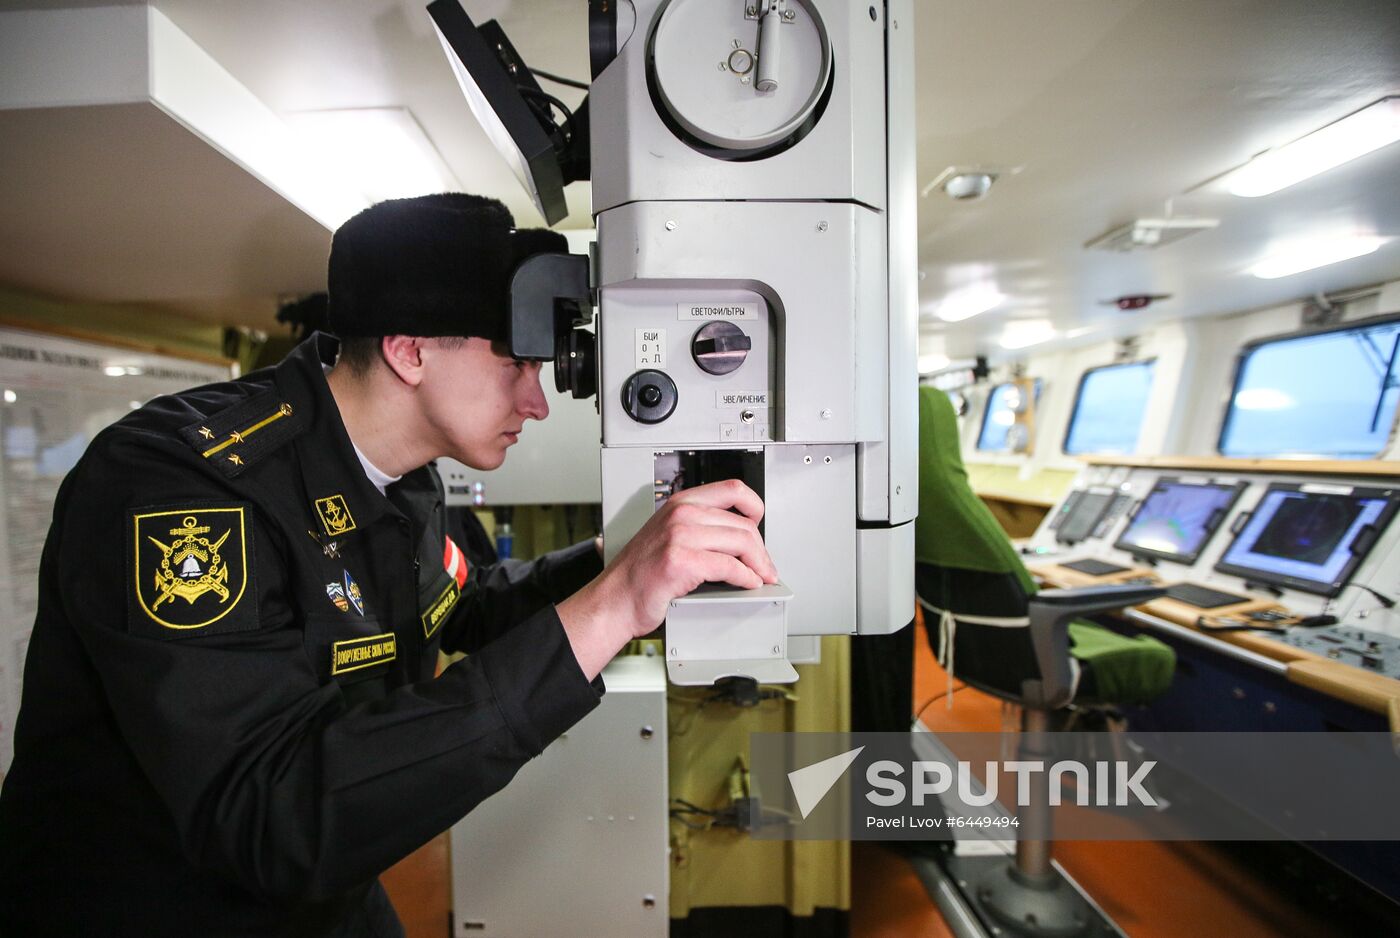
{"x": 1108, "y": 108}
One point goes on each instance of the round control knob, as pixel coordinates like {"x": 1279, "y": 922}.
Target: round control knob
{"x": 649, "y": 396}
{"x": 720, "y": 347}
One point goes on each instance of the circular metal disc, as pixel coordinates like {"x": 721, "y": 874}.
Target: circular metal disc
{"x": 691, "y": 51}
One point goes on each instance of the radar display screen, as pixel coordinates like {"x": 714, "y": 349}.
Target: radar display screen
{"x": 1309, "y": 537}
{"x": 1177, "y": 518}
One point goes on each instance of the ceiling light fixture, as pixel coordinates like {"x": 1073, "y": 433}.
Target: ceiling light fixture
{"x": 966, "y": 302}
{"x": 1370, "y": 128}
{"x": 928, "y": 364}
{"x": 965, "y": 183}
{"x": 1299, "y": 256}
{"x": 965, "y": 187}
{"x": 1023, "y": 333}
{"x": 383, "y": 152}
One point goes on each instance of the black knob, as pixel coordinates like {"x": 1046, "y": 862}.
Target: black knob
{"x": 720, "y": 347}
{"x": 649, "y": 396}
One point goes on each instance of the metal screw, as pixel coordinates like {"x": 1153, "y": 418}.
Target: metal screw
{"x": 737, "y": 43}
{"x": 744, "y": 80}
{"x": 648, "y": 901}
{"x": 777, "y": 649}
{"x": 806, "y": 460}
{"x": 826, "y": 414}
{"x": 789, "y": 14}
{"x": 1270, "y": 707}
{"x": 898, "y": 489}
{"x": 670, "y": 226}
{"x": 647, "y": 732}
{"x": 673, "y": 653}
{"x": 1237, "y": 693}
{"x": 723, "y": 67}
{"x": 821, "y": 226}
{"x": 827, "y": 460}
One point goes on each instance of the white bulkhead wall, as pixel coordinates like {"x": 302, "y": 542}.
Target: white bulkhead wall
{"x": 1191, "y": 383}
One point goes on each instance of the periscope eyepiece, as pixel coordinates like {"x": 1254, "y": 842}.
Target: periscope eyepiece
{"x": 549, "y": 305}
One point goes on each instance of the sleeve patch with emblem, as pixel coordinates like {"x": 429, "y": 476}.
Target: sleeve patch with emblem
{"x": 191, "y": 571}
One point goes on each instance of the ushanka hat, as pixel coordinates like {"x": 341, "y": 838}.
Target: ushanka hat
{"x": 432, "y": 265}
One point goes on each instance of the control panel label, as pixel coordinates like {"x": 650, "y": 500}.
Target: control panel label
{"x": 741, "y": 398}
{"x": 689, "y": 312}
{"x": 651, "y": 348}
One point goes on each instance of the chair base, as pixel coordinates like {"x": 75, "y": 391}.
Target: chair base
{"x": 1002, "y": 901}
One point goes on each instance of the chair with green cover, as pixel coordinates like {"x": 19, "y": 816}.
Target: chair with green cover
{"x": 992, "y": 629}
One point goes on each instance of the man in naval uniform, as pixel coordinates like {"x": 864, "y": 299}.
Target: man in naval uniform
{"x": 230, "y": 722}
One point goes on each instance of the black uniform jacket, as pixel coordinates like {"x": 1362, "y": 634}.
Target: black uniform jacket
{"x": 230, "y": 722}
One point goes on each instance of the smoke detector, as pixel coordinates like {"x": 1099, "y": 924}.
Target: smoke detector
{"x": 1132, "y": 302}
{"x": 1147, "y": 233}
{"x": 965, "y": 183}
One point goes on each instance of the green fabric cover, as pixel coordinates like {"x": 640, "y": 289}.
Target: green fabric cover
{"x": 955, "y": 530}
{"x": 1126, "y": 670}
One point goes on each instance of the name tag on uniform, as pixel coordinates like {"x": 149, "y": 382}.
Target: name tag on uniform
{"x": 352, "y": 654}
{"x": 434, "y": 615}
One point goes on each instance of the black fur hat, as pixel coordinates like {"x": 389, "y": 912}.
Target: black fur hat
{"x": 431, "y": 265}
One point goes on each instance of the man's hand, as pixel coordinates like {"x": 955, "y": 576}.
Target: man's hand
{"x": 693, "y": 539}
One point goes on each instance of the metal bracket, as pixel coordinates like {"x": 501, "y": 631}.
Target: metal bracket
{"x": 757, "y": 9}
{"x": 719, "y": 631}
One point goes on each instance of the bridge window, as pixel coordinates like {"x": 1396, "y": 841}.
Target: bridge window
{"x": 997, "y": 420}
{"x": 1109, "y": 408}
{"x": 1331, "y": 393}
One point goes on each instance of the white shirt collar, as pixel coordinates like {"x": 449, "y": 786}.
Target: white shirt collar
{"x": 378, "y": 477}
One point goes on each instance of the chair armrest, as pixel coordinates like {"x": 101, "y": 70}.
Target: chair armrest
{"x": 1051, "y": 612}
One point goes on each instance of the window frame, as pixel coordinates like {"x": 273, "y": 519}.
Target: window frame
{"x": 1037, "y": 387}
{"x": 1253, "y": 345}
{"x": 1079, "y": 394}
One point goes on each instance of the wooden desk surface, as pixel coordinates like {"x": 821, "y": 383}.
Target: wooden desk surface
{"x": 1342, "y": 467}
{"x": 1016, "y": 498}
{"x": 1374, "y": 692}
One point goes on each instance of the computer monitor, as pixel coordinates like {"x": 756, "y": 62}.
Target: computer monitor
{"x": 1084, "y": 516}
{"x": 1309, "y": 537}
{"x": 1177, "y": 518}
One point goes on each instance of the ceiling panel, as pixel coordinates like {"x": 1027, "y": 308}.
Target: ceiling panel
{"x": 1107, "y": 109}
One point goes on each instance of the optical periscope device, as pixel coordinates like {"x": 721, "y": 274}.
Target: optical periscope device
{"x": 755, "y": 286}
